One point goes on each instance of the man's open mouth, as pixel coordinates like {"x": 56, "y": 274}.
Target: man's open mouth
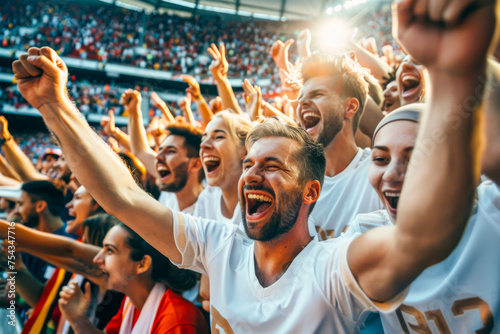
{"x": 211, "y": 163}
{"x": 310, "y": 119}
{"x": 389, "y": 103}
{"x": 392, "y": 198}
{"x": 163, "y": 171}
{"x": 258, "y": 204}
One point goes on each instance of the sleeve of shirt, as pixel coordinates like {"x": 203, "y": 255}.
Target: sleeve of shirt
{"x": 339, "y": 285}
{"x": 350, "y": 282}
{"x": 198, "y": 239}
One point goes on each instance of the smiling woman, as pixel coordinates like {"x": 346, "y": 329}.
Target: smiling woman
{"x": 222, "y": 151}
{"x": 411, "y": 81}
{"x": 393, "y": 143}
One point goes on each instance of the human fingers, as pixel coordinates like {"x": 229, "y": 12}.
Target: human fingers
{"x": 436, "y": 9}
{"x": 53, "y": 57}
{"x": 19, "y": 71}
{"x": 32, "y": 70}
{"x": 420, "y": 7}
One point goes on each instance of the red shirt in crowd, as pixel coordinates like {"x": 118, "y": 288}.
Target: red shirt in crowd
{"x": 175, "y": 315}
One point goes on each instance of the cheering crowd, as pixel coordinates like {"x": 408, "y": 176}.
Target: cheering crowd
{"x": 363, "y": 198}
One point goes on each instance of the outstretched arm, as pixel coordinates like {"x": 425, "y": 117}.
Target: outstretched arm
{"x": 7, "y": 170}
{"x": 432, "y": 218}
{"x": 138, "y": 138}
{"x": 377, "y": 67}
{"x": 194, "y": 90}
{"x": 60, "y": 251}
{"x": 42, "y": 80}
{"x": 16, "y": 157}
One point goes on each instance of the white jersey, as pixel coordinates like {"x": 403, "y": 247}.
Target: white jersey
{"x": 343, "y": 197}
{"x": 462, "y": 293}
{"x": 209, "y": 206}
{"x": 169, "y": 200}
{"x": 317, "y": 294}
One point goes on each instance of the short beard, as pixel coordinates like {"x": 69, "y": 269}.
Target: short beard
{"x": 332, "y": 124}
{"x": 281, "y": 221}
{"x": 32, "y": 221}
{"x": 180, "y": 179}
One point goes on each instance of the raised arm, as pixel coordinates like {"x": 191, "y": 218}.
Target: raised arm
{"x": 42, "y": 80}
{"x": 16, "y": 157}
{"x": 7, "y": 181}
{"x": 437, "y": 196}
{"x": 219, "y": 68}
{"x": 109, "y": 127}
{"x": 137, "y": 131}
{"x": 7, "y": 170}
{"x": 60, "y": 251}
{"x": 194, "y": 90}
{"x": 377, "y": 67}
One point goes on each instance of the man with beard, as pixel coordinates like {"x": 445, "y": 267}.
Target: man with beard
{"x": 177, "y": 166}
{"x": 331, "y": 103}
{"x": 286, "y": 281}
{"x": 39, "y": 206}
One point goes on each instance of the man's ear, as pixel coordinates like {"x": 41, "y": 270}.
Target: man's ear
{"x": 196, "y": 163}
{"x": 311, "y": 192}
{"x": 144, "y": 265}
{"x": 40, "y": 206}
{"x": 351, "y": 107}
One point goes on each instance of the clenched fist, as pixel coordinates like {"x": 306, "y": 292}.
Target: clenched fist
{"x": 41, "y": 77}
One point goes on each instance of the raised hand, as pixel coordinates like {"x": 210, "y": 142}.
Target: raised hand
{"x": 370, "y": 45}
{"x": 166, "y": 113}
{"x": 4, "y": 132}
{"x": 113, "y": 143}
{"x": 73, "y": 303}
{"x": 460, "y": 32}
{"x": 253, "y": 100}
{"x": 194, "y": 87}
{"x": 303, "y": 43}
{"x": 185, "y": 104}
{"x": 279, "y": 53}
{"x": 131, "y": 100}
{"x": 216, "y": 104}
{"x": 388, "y": 55}
{"x": 219, "y": 65}
{"x": 108, "y": 124}
{"x": 291, "y": 83}
{"x": 41, "y": 77}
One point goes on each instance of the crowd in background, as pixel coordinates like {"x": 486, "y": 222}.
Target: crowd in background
{"x": 290, "y": 195}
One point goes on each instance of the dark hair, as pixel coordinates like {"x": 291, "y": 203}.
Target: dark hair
{"x": 191, "y": 135}
{"x": 192, "y": 140}
{"x": 133, "y": 164}
{"x": 162, "y": 269}
{"x": 310, "y": 157}
{"x": 10, "y": 203}
{"x": 391, "y": 76}
{"x": 48, "y": 192}
{"x": 346, "y": 72}
{"x": 97, "y": 227}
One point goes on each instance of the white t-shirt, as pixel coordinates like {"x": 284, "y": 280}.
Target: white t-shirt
{"x": 209, "y": 206}
{"x": 317, "y": 294}
{"x": 343, "y": 197}
{"x": 169, "y": 200}
{"x": 462, "y": 293}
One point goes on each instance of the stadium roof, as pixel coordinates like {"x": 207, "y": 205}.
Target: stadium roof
{"x": 261, "y": 9}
